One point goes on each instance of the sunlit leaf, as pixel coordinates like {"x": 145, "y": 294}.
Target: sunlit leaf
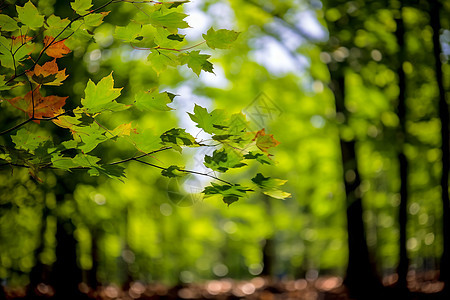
{"x": 101, "y": 96}
{"x": 209, "y": 122}
{"x": 128, "y": 33}
{"x": 271, "y": 186}
{"x": 161, "y": 59}
{"x": 265, "y": 141}
{"x": 95, "y": 19}
{"x": 146, "y": 141}
{"x": 56, "y": 49}
{"x": 221, "y": 38}
{"x": 197, "y": 62}
{"x": 29, "y": 15}
{"x": 153, "y": 100}
{"x": 81, "y": 7}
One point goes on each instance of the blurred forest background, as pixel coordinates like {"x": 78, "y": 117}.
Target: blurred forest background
{"x": 357, "y": 94}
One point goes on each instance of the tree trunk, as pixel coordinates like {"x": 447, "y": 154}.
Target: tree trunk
{"x": 403, "y": 264}
{"x": 361, "y": 278}
{"x": 445, "y": 138}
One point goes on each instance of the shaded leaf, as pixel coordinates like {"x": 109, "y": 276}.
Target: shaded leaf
{"x": 48, "y": 74}
{"x": 7, "y": 23}
{"x": 271, "y": 186}
{"x": 173, "y": 171}
{"x": 222, "y": 160}
{"x": 26, "y": 140}
{"x": 43, "y": 106}
{"x": 178, "y": 137}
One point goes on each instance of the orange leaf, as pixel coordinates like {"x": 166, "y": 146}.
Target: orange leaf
{"x": 48, "y": 74}
{"x": 265, "y": 141}
{"x": 43, "y": 106}
{"x": 57, "y": 49}
{"x": 21, "y": 39}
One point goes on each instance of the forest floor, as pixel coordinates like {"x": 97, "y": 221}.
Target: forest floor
{"x": 322, "y": 288}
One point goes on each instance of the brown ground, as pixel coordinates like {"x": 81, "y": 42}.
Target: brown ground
{"x": 424, "y": 287}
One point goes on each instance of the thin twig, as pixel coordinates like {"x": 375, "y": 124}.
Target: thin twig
{"x": 185, "y": 171}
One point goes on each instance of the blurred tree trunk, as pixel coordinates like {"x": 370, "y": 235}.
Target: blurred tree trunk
{"x": 361, "y": 278}
{"x": 445, "y": 138}
{"x": 269, "y": 247}
{"x": 39, "y": 272}
{"x": 92, "y": 273}
{"x": 66, "y": 275}
{"x": 403, "y": 264}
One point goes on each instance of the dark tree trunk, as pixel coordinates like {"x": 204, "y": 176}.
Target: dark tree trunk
{"x": 445, "y": 136}
{"x": 39, "y": 272}
{"x": 403, "y": 264}
{"x": 268, "y": 250}
{"x": 66, "y": 273}
{"x": 92, "y": 279}
{"x": 361, "y": 278}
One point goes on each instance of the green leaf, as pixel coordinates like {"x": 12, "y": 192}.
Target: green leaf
{"x": 259, "y": 157}
{"x": 153, "y": 100}
{"x": 209, "y": 122}
{"x": 55, "y": 25}
{"x": 175, "y": 4}
{"x": 27, "y": 140}
{"x": 229, "y": 193}
{"x": 172, "y": 20}
{"x": 128, "y": 33}
{"x": 146, "y": 141}
{"x": 95, "y": 19}
{"x": 197, "y": 62}
{"x": 173, "y": 171}
{"x": 271, "y": 186}
{"x": 81, "y": 7}
{"x": 223, "y": 159}
{"x": 221, "y": 38}
{"x": 176, "y": 37}
{"x": 29, "y": 15}
{"x": 101, "y": 97}
{"x": 178, "y": 137}
{"x": 7, "y": 23}
{"x": 89, "y": 136}
{"x": 112, "y": 171}
{"x": 161, "y": 59}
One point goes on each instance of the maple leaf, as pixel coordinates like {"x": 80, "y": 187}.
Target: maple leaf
{"x": 20, "y": 40}
{"x": 48, "y": 74}
{"x": 265, "y": 141}
{"x": 43, "y": 106}
{"x": 57, "y": 49}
